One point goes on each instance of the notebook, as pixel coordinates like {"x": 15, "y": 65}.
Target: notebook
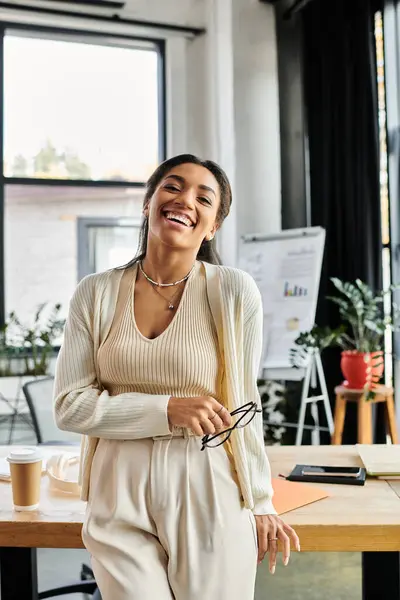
{"x": 289, "y": 495}
{"x": 380, "y": 459}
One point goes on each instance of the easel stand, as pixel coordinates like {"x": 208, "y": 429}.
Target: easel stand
{"x": 314, "y": 372}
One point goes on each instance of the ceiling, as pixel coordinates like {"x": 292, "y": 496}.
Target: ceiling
{"x": 182, "y": 12}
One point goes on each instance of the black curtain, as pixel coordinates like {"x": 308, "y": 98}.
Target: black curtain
{"x": 340, "y": 94}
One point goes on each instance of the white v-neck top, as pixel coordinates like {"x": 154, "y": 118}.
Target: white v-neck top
{"x": 182, "y": 361}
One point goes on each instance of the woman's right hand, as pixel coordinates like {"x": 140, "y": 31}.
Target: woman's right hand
{"x": 201, "y": 414}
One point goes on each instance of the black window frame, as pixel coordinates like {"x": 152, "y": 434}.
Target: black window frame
{"x": 160, "y": 46}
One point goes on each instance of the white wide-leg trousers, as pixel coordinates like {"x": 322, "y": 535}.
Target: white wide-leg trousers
{"x": 164, "y": 522}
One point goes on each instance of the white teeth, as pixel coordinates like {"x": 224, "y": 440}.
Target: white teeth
{"x": 179, "y": 217}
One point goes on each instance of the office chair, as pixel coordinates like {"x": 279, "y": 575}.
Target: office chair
{"x": 39, "y": 398}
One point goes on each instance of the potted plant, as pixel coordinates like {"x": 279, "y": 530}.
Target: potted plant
{"x": 34, "y": 342}
{"x": 26, "y": 350}
{"x": 362, "y": 311}
{"x": 317, "y": 339}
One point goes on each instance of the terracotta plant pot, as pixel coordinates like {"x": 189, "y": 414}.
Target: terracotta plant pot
{"x": 361, "y": 368}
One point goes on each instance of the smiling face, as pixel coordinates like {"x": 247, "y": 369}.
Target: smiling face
{"x": 183, "y": 209}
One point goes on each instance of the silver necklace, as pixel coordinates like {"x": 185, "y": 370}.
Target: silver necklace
{"x": 165, "y": 284}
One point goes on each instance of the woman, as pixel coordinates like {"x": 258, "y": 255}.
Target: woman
{"x": 156, "y": 356}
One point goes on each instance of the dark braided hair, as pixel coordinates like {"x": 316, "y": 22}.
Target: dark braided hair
{"x": 207, "y": 252}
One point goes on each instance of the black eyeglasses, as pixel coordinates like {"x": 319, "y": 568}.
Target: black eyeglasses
{"x": 246, "y": 413}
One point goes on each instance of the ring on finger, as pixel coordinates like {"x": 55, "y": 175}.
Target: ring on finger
{"x": 218, "y": 411}
{"x": 213, "y": 417}
{"x": 275, "y": 539}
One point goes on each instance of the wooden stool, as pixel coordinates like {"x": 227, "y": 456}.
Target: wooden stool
{"x": 364, "y": 412}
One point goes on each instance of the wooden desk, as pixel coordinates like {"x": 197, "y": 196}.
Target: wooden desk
{"x": 354, "y": 519}
{"x": 57, "y": 523}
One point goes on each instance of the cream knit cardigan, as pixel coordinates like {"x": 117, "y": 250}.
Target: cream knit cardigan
{"x": 82, "y": 406}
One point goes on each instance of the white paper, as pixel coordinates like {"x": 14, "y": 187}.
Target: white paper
{"x": 287, "y": 272}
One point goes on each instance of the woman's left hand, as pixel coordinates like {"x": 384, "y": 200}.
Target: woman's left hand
{"x": 270, "y": 530}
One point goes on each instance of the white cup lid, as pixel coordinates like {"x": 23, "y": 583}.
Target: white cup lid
{"x": 24, "y": 455}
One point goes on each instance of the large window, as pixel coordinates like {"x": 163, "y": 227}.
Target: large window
{"x": 384, "y": 193}
{"x": 83, "y": 129}
{"x": 79, "y": 110}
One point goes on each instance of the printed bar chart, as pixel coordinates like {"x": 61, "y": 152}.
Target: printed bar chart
{"x": 294, "y": 291}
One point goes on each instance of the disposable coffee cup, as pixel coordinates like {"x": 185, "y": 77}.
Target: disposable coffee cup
{"x": 26, "y": 475}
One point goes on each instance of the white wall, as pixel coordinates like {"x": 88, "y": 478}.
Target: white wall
{"x": 256, "y": 176}
{"x": 184, "y": 12}
{"x": 258, "y": 181}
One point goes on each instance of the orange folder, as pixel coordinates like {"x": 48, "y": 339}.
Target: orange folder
{"x": 289, "y": 495}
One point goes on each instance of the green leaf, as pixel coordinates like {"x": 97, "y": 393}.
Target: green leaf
{"x": 366, "y": 291}
{"x": 377, "y": 326}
